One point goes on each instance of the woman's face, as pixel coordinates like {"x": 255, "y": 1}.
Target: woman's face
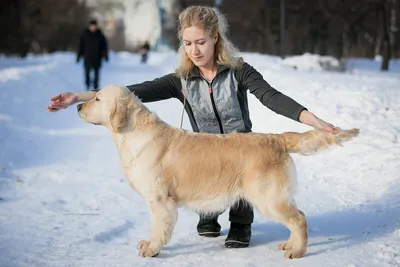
{"x": 199, "y": 46}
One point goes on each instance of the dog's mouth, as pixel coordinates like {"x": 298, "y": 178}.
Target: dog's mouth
{"x": 95, "y": 123}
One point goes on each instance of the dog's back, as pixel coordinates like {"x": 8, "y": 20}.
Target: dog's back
{"x": 209, "y": 168}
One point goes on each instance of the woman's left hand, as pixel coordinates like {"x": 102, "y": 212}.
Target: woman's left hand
{"x": 309, "y": 118}
{"x": 323, "y": 125}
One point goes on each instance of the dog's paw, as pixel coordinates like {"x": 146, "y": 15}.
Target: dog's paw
{"x": 285, "y": 245}
{"x": 144, "y": 244}
{"x": 147, "y": 253}
{"x": 294, "y": 253}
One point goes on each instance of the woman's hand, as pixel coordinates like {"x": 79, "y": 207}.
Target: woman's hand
{"x": 309, "y": 118}
{"x": 62, "y": 101}
{"x": 323, "y": 125}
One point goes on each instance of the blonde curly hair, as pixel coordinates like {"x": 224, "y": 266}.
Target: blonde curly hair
{"x": 214, "y": 22}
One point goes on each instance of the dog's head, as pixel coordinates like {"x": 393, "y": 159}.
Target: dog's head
{"x": 110, "y": 107}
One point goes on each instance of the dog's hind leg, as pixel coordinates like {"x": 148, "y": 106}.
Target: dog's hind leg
{"x": 285, "y": 212}
{"x": 273, "y": 197}
{"x": 295, "y": 221}
{"x": 164, "y": 214}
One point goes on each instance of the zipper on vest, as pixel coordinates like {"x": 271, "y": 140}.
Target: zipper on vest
{"x": 210, "y": 90}
{"x": 215, "y": 109}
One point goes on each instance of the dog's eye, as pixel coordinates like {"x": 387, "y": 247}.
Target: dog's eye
{"x": 97, "y": 99}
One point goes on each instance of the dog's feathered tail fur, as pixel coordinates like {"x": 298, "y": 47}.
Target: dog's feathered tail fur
{"x": 314, "y": 141}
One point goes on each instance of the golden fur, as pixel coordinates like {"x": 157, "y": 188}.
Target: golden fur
{"x": 170, "y": 167}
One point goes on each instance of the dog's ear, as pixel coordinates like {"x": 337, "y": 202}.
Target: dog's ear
{"x": 118, "y": 115}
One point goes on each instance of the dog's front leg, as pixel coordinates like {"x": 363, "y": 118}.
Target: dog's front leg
{"x": 164, "y": 214}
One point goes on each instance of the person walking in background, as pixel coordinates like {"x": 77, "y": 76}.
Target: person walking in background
{"x": 144, "y": 51}
{"x": 93, "y": 48}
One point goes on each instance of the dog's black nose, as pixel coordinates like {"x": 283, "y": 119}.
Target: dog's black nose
{"x": 79, "y": 107}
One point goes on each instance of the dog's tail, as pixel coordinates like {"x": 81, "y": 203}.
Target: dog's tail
{"x": 316, "y": 140}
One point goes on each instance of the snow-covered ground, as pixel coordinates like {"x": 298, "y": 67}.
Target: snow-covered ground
{"x": 65, "y": 202}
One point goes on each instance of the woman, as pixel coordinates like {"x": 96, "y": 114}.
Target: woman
{"x": 212, "y": 82}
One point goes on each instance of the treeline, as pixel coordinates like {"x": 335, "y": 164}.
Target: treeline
{"x": 336, "y": 27}
{"x": 341, "y": 28}
{"x": 40, "y": 26}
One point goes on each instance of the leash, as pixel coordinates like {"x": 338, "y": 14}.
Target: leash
{"x": 184, "y": 99}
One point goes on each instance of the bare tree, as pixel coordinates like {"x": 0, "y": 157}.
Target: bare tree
{"x": 385, "y": 37}
{"x": 395, "y": 27}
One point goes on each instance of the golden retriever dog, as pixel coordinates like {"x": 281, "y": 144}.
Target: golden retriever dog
{"x": 171, "y": 167}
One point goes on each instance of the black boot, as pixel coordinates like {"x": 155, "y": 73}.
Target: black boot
{"x": 239, "y": 236}
{"x": 208, "y": 226}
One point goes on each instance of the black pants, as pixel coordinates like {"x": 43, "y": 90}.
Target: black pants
{"x": 241, "y": 213}
{"x": 96, "y": 69}
{"x": 144, "y": 58}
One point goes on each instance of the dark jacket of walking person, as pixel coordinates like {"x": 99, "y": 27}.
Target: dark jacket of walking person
{"x": 93, "y": 48}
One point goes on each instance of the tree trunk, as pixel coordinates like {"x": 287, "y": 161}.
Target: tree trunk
{"x": 386, "y": 40}
{"x": 282, "y": 29}
{"x": 394, "y": 26}
{"x": 378, "y": 38}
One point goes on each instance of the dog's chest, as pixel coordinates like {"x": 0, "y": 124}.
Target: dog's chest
{"x": 138, "y": 161}
{"x": 132, "y": 150}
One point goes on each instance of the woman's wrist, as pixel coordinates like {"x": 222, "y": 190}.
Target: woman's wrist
{"x": 308, "y": 118}
{"x": 84, "y": 96}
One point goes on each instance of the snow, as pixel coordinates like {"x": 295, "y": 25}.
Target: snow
{"x": 312, "y": 62}
{"x": 65, "y": 202}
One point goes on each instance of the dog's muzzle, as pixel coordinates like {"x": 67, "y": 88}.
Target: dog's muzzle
{"x": 79, "y": 107}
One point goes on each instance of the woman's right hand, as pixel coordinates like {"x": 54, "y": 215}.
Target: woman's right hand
{"x": 62, "y": 101}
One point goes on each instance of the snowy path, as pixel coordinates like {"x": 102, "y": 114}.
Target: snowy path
{"x": 64, "y": 201}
